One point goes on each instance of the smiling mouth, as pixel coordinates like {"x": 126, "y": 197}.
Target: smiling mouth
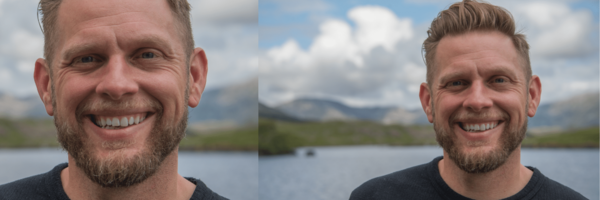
{"x": 479, "y": 127}
{"x": 119, "y": 122}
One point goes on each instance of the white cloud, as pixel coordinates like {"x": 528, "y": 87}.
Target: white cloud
{"x": 378, "y": 62}
{"x": 225, "y": 12}
{"x": 555, "y": 30}
{"x": 364, "y": 65}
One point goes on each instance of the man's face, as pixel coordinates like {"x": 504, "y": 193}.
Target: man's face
{"x": 119, "y": 62}
{"x": 478, "y": 100}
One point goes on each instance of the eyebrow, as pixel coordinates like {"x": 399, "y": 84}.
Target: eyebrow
{"x": 85, "y": 47}
{"x": 495, "y": 70}
{"x": 139, "y": 42}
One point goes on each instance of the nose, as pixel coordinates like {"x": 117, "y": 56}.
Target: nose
{"x": 477, "y": 98}
{"x": 116, "y": 80}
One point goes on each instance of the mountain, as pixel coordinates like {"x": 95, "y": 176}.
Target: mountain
{"x": 576, "y": 112}
{"x": 271, "y": 113}
{"x": 328, "y": 110}
{"x": 236, "y": 103}
{"x": 14, "y": 107}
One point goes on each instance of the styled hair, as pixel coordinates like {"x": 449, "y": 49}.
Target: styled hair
{"x": 49, "y": 9}
{"x": 470, "y": 15}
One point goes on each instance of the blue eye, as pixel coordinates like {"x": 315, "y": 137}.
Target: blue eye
{"x": 499, "y": 80}
{"x": 456, "y": 83}
{"x": 148, "y": 55}
{"x": 87, "y": 59}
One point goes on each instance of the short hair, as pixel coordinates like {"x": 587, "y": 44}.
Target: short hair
{"x": 49, "y": 9}
{"x": 470, "y": 15}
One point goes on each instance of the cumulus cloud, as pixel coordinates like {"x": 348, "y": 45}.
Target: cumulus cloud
{"x": 225, "y": 12}
{"x": 374, "y": 61}
{"x": 556, "y": 30}
{"x": 378, "y": 60}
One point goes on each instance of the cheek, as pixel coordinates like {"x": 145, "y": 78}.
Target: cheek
{"x": 445, "y": 105}
{"x": 514, "y": 105}
{"x": 168, "y": 90}
{"x": 71, "y": 92}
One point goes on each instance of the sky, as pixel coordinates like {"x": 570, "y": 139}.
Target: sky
{"x": 368, "y": 53}
{"x": 226, "y": 30}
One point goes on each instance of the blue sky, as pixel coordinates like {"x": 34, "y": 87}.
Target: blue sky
{"x": 563, "y": 35}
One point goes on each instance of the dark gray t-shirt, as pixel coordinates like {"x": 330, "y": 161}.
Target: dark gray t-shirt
{"x": 425, "y": 182}
{"x": 49, "y": 186}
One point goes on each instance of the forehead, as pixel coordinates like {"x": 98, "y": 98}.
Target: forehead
{"x": 88, "y": 20}
{"x": 478, "y": 50}
{"x": 93, "y": 12}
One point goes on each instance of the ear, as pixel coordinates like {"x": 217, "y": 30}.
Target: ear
{"x": 425, "y": 96}
{"x": 41, "y": 77}
{"x": 197, "y": 79}
{"x": 534, "y": 95}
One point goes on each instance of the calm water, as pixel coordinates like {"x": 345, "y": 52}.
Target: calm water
{"x": 231, "y": 174}
{"x": 335, "y": 171}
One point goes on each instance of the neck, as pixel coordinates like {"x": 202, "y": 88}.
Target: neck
{"x": 166, "y": 183}
{"x": 503, "y": 182}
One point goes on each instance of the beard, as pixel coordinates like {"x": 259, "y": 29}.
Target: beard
{"x": 479, "y": 160}
{"x": 118, "y": 169}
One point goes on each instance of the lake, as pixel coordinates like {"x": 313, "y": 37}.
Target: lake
{"x": 335, "y": 171}
{"x": 231, "y": 174}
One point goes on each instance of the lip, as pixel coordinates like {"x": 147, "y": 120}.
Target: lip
{"x": 483, "y": 135}
{"x": 119, "y": 134}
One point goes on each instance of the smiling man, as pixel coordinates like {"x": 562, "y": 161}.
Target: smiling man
{"x": 479, "y": 92}
{"x": 117, "y": 77}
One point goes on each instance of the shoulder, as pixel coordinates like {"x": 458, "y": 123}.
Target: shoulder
{"x": 41, "y": 186}
{"x": 551, "y": 189}
{"x": 202, "y": 192}
{"x": 403, "y": 184}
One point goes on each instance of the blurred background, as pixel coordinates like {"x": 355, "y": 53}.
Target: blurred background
{"x": 339, "y": 83}
{"x": 223, "y": 126}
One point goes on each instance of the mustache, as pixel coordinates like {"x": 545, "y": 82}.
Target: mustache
{"x": 466, "y": 116}
{"x": 92, "y": 105}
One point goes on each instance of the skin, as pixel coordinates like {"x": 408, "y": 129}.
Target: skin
{"x": 121, "y": 51}
{"x": 480, "y": 72}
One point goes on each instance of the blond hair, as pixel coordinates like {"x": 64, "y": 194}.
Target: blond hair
{"x": 468, "y": 16}
{"x": 49, "y": 9}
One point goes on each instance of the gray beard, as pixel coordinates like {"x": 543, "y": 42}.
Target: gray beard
{"x": 478, "y": 162}
{"x": 118, "y": 170}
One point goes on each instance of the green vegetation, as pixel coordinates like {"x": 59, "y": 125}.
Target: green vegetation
{"x": 32, "y": 133}
{"x": 27, "y": 133}
{"x": 273, "y": 142}
{"x": 245, "y": 139}
{"x": 578, "y": 138}
{"x": 279, "y": 137}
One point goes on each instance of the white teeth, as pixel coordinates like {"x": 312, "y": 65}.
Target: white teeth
{"x": 124, "y": 121}
{"x": 479, "y": 127}
{"x": 116, "y": 122}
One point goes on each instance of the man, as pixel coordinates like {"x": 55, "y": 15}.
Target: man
{"x": 478, "y": 95}
{"x": 117, "y": 77}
